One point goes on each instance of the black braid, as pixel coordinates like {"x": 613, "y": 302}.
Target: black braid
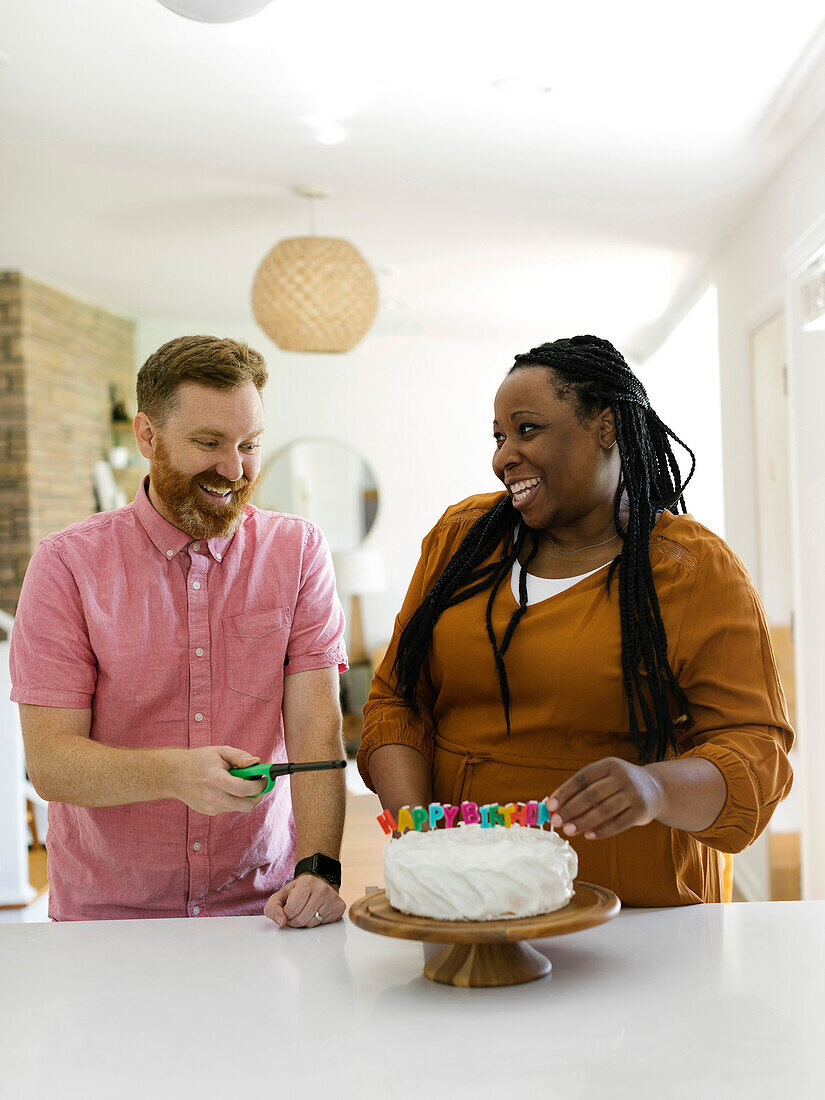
{"x": 594, "y": 374}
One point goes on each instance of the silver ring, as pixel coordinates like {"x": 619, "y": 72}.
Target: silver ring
{"x": 318, "y": 917}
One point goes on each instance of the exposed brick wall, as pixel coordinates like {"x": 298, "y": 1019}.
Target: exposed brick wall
{"x": 59, "y": 358}
{"x": 15, "y": 527}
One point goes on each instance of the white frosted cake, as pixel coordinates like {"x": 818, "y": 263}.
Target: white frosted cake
{"x": 472, "y": 873}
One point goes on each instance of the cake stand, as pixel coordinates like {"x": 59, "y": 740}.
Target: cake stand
{"x": 487, "y": 952}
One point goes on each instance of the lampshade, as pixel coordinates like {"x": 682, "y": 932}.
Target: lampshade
{"x": 315, "y": 294}
{"x": 215, "y": 11}
{"x": 358, "y": 571}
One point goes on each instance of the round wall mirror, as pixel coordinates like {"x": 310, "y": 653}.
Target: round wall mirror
{"x": 327, "y": 483}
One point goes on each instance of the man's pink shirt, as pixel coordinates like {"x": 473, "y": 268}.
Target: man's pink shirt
{"x": 174, "y": 643}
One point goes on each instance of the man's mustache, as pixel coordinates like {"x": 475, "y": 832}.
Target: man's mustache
{"x": 221, "y": 485}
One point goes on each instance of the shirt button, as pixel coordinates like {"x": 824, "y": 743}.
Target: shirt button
{"x": 197, "y": 584}
{"x": 196, "y": 909}
{"x": 198, "y": 717}
{"x": 170, "y": 553}
{"x": 198, "y": 652}
{"x": 196, "y": 546}
{"x": 197, "y": 846}
{"x": 218, "y": 557}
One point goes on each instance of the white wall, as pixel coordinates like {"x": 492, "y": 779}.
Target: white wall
{"x": 751, "y": 279}
{"x": 682, "y": 382}
{"x": 419, "y": 409}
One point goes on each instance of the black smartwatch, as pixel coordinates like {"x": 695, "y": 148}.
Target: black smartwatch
{"x": 324, "y": 867}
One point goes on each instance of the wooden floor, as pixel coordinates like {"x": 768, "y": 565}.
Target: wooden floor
{"x": 363, "y": 847}
{"x": 786, "y": 884}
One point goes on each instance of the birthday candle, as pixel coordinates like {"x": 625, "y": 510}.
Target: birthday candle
{"x": 450, "y": 813}
{"x": 485, "y": 815}
{"x": 519, "y": 814}
{"x": 419, "y": 816}
{"x": 469, "y": 813}
{"x": 531, "y": 812}
{"x": 507, "y": 813}
{"x": 436, "y": 813}
{"x": 387, "y": 821}
{"x": 543, "y": 814}
{"x": 405, "y": 820}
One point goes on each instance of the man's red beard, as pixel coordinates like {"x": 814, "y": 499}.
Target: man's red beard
{"x": 189, "y": 509}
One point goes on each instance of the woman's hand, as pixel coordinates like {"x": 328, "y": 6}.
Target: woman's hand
{"x": 605, "y": 798}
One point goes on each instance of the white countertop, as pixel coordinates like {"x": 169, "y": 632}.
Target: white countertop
{"x": 704, "y": 1001}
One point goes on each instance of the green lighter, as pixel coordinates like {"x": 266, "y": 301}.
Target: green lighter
{"x": 270, "y": 772}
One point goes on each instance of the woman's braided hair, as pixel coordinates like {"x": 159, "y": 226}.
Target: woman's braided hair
{"x": 593, "y": 374}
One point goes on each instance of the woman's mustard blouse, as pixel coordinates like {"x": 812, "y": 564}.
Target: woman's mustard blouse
{"x": 568, "y": 706}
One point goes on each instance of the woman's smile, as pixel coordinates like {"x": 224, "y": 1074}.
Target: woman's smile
{"x": 523, "y": 491}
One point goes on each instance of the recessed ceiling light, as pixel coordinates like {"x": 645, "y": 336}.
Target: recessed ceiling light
{"x": 331, "y": 134}
{"x": 520, "y": 85}
{"x": 327, "y": 129}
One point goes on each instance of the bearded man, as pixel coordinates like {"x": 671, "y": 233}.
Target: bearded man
{"x": 158, "y": 646}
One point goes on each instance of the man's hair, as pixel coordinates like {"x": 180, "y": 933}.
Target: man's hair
{"x": 224, "y": 364}
{"x": 593, "y": 375}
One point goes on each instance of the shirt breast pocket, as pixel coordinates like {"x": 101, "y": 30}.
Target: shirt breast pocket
{"x": 255, "y": 650}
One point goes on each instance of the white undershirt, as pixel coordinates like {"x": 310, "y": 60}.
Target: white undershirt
{"x": 542, "y": 588}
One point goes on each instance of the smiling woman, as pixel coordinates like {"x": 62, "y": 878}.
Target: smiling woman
{"x": 639, "y": 691}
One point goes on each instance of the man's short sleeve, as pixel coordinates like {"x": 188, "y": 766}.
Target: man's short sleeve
{"x": 51, "y": 659}
{"x": 316, "y": 638}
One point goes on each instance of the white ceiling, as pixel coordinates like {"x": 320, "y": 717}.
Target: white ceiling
{"x": 147, "y": 160}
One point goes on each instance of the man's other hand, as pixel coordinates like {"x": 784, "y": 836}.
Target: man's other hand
{"x": 201, "y": 779}
{"x": 305, "y": 902}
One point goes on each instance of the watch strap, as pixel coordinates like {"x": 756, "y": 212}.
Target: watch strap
{"x": 324, "y": 867}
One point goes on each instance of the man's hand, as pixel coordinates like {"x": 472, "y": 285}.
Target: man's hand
{"x": 305, "y": 902}
{"x": 201, "y": 779}
{"x": 605, "y": 798}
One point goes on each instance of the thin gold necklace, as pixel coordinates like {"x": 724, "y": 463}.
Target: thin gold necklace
{"x": 579, "y": 550}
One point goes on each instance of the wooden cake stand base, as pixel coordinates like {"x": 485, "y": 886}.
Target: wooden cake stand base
{"x": 487, "y": 953}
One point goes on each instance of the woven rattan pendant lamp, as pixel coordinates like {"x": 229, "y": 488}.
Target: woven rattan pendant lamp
{"x": 314, "y": 293}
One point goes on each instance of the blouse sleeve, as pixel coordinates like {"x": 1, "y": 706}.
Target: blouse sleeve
{"x": 740, "y": 723}
{"x": 387, "y": 718}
